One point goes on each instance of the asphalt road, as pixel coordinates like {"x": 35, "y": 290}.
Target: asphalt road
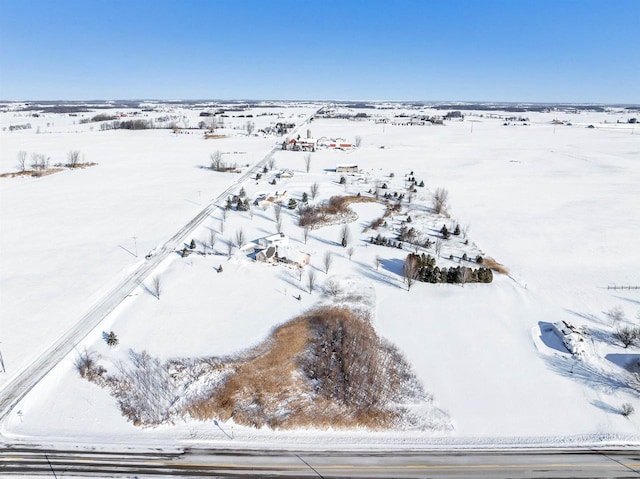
{"x": 395, "y": 464}
{"x": 17, "y": 387}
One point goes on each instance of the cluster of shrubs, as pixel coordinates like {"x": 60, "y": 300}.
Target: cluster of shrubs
{"x": 428, "y": 272}
{"x": 26, "y": 126}
{"x": 237, "y": 202}
{"x": 412, "y": 179}
{"x": 384, "y": 241}
{"x": 407, "y": 234}
{"x": 395, "y": 196}
{"x": 444, "y": 231}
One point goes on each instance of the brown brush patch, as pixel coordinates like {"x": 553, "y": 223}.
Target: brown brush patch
{"x": 34, "y": 173}
{"x": 494, "y": 265}
{"x": 46, "y": 171}
{"x": 260, "y": 381}
{"x": 375, "y": 224}
{"x": 326, "y": 368}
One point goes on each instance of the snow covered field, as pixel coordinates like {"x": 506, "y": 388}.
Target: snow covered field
{"x": 557, "y": 205}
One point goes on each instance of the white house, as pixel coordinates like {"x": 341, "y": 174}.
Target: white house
{"x": 278, "y": 239}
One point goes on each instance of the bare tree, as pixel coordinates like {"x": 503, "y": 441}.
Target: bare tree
{"x": 39, "y": 161}
{"x": 327, "y": 259}
{"x": 307, "y": 161}
{"x": 465, "y": 275}
{"x": 358, "y": 141}
{"x": 272, "y": 163}
{"x": 314, "y": 190}
{"x": 229, "y": 248}
{"x": 216, "y": 161}
{"x": 212, "y": 240}
{"x": 156, "y": 286}
{"x": 240, "y": 238}
{"x": 437, "y": 248}
{"x": 627, "y": 409}
{"x": 439, "y": 201}
{"x": 277, "y": 211}
{"x": 410, "y": 271}
{"x": 350, "y": 250}
{"x": 311, "y": 280}
{"x": 305, "y": 233}
{"x": 616, "y": 314}
{"x": 626, "y": 335}
{"x": 251, "y": 212}
{"x": 250, "y": 126}
{"x": 22, "y": 158}
{"x": 279, "y": 225}
{"x": 73, "y": 158}
{"x": 332, "y": 287}
{"x": 378, "y": 261}
{"x": 345, "y": 235}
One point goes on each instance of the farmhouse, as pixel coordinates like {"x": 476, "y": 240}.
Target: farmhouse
{"x": 347, "y": 168}
{"x": 283, "y": 255}
{"x": 279, "y": 239}
{"x": 306, "y": 144}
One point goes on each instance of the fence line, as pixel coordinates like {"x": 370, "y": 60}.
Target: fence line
{"x": 623, "y": 287}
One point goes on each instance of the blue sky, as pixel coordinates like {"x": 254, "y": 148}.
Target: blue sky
{"x": 508, "y": 50}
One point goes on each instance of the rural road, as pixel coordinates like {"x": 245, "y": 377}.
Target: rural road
{"x": 392, "y": 464}
{"x": 18, "y": 386}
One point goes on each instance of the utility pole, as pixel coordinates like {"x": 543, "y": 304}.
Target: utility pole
{"x": 2, "y": 363}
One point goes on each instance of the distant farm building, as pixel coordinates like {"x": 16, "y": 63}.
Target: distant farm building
{"x": 351, "y": 168}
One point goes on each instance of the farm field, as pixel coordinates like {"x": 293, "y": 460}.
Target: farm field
{"x": 554, "y": 204}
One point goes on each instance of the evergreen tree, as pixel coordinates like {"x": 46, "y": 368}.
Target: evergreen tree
{"x": 292, "y": 204}
{"x": 456, "y": 231}
{"x": 112, "y": 339}
{"x": 444, "y": 232}
{"x": 192, "y": 245}
{"x": 305, "y": 197}
{"x": 421, "y": 185}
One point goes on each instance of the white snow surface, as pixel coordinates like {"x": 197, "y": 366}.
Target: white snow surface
{"x": 558, "y": 206}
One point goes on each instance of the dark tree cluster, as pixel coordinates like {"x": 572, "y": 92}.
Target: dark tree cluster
{"x": 384, "y": 241}
{"x": 407, "y": 234}
{"x": 127, "y": 125}
{"x": 428, "y": 272}
{"x": 237, "y": 202}
{"x": 395, "y": 196}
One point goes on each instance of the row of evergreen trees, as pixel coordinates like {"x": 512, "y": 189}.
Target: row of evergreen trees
{"x": 427, "y": 272}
